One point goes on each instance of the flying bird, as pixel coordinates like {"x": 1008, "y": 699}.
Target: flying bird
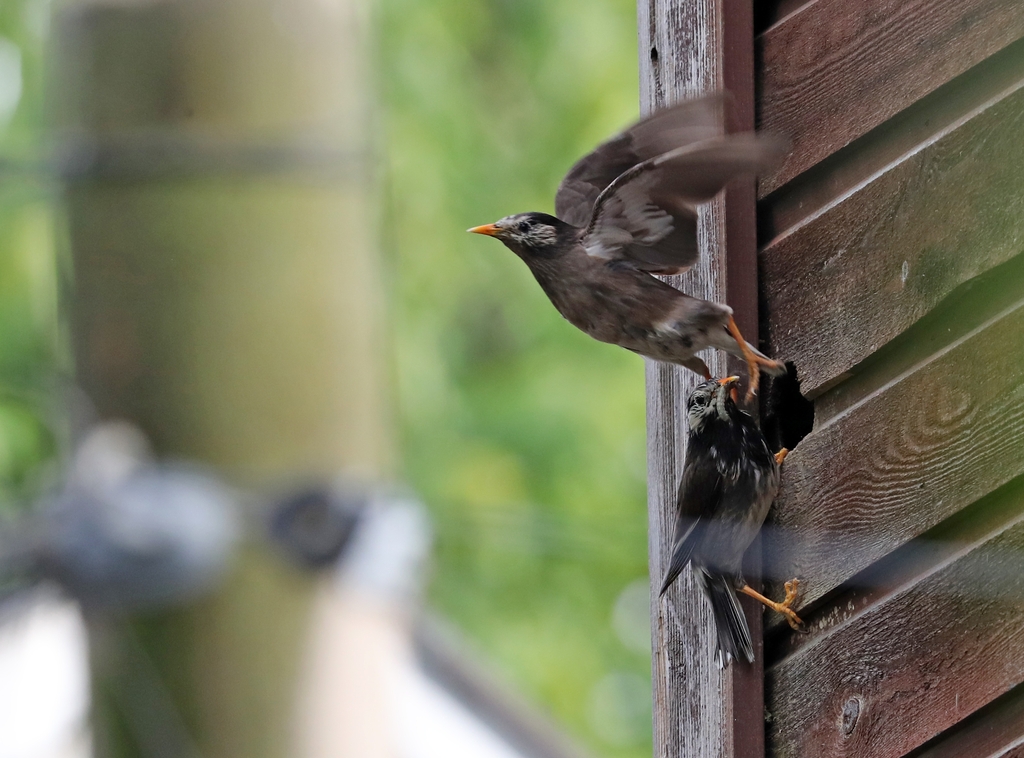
{"x": 629, "y": 210}
{"x": 730, "y": 478}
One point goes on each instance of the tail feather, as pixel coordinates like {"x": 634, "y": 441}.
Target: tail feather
{"x": 688, "y": 534}
{"x": 676, "y": 565}
{"x": 733, "y": 632}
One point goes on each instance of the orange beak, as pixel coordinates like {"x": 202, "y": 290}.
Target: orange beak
{"x": 489, "y": 229}
{"x": 727, "y": 382}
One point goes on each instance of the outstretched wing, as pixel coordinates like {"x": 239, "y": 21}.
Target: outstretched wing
{"x": 682, "y": 124}
{"x": 647, "y": 215}
{"x": 700, "y": 493}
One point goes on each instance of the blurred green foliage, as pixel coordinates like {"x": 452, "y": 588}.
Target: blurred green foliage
{"x": 525, "y": 437}
{"x": 28, "y": 285}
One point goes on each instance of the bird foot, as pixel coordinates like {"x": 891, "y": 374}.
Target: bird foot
{"x": 792, "y": 588}
{"x": 792, "y": 593}
{"x": 754, "y": 361}
{"x": 781, "y": 456}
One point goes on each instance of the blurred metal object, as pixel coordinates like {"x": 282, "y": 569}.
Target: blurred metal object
{"x": 127, "y": 533}
{"x": 359, "y": 643}
{"x": 447, "y": 659}
{"x": 314, "y": 525}
{"x": 376, "y": 538}
{"x": 388, "y": 555}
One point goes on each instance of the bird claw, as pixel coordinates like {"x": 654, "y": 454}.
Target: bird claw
{"x": 781, "y": 456}
{"x": 792, "y": 594}
{"x": 753, "y": 360}
{"x": 753, "y": 373}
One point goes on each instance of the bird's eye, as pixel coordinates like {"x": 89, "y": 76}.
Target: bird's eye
{"x": 522, "y": 226}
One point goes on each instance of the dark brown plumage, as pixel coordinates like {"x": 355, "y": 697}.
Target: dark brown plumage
{"x": 730, "y": 479}
{"x": 628, "y": 210}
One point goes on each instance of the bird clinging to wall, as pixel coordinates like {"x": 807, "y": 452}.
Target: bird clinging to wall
{"x": 627, "y": 211}
{"x": 730, "y": 478}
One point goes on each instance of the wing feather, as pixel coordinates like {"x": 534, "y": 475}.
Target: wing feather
{"x": 681, "y": 124}
{"x": 700, "y": 492}
{"x": 648, "y": 214}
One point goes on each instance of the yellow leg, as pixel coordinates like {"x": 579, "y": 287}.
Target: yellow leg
{"x": 792, "y": 592}
{"x": 781, "y": 455}
{"x": 753, "y": 361}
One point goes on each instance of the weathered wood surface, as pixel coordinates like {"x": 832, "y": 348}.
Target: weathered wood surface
{"x": 971, "y": 305}
{"x": 689, "y": 48}
{"x": 901, "y": 568}
{"x": 997, "y": 732}
{"x": 903, "y": 512}
{"x": 919, "y": 124}
{"x": 911, "y": 666}
{"x": 903, "y": 459}
{"x": 869, "y": 266}
{"x": 833, "y": 70}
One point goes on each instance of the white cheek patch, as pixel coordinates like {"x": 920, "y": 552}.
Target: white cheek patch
{"x": 539, "y": 235}
{"x": 542, "y": 235}
{"x": 698, "y": 415}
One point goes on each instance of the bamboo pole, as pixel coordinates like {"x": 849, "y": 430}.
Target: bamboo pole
{"x": 226, "y": 298}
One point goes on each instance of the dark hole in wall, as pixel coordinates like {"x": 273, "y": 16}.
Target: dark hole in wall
{"x": 765, "y": 14}
{"x": 769, "y": 12}
{"x": 786, "y": 415}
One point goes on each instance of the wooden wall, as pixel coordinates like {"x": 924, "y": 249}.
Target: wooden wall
{"x": 891, "y": 262}
{"x": 890, "y": 270}
{"x": 689, "y": 47}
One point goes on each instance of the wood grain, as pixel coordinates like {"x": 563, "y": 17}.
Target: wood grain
{"x": 688, "y": 48}
{"x": 869, "y": 266}
{"x": 910, "y": 667}
{"x": 902, "y": 568}
{"x": 903, "y": 459}
{"x": 928, "y": 119}
{"x": 833, "y": 70}
{"x": 995, "y": 732}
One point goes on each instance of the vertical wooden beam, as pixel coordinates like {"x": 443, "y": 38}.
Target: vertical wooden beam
{"x": 221, "y": 219}
{"x": 687, "y": 48}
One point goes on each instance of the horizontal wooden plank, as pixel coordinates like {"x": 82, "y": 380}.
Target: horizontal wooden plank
{"x": 907, "y": 669}
{"x": 902, "y": 568}
{"x": 833, "y": 70}
{"x": 969, "y": 306}
{"x": 926, "y": 120}
{"x": 995, "y": 732}
{"x": 859, "y": 273}
{"x": 903, "y": 459}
